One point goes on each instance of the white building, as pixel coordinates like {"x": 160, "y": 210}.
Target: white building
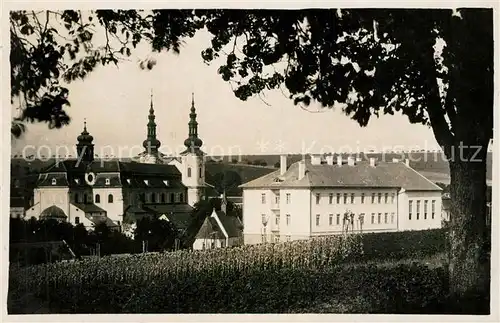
{"x": 85, "y": 188}
{"x": 312, "y": 197}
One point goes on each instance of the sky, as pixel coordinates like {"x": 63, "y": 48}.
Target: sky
{"x": 115, "y": 102}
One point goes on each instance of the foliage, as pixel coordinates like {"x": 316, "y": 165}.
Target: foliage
{"x": 159, "y": 234}
{"x": 275, "y": 278}
{"x": 226, "y": 181}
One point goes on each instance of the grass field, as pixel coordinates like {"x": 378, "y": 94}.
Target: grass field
{"x": 334, "y": 274}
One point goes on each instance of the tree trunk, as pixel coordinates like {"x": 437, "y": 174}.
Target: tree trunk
{"x": 469, "y": 266}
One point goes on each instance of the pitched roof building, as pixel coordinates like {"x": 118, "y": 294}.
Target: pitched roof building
{"x": 317, "y": 196}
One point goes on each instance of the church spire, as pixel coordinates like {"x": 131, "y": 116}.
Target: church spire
{"x": 193, "y": 143}
{"x": 151, "y": 144}
{"x": 85, "y": 147}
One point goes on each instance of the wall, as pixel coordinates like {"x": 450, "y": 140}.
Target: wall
{"x": 114, "y": 210}
{"x": 48, "y": 196}
{"x": 421, "y": 223}
{"x": 324, "y": 209}
{"x": 76, "y": 212}
{"x": 299, "y": 209}
{"x": 198, "y": 243}
{"x": 253, "y": 209}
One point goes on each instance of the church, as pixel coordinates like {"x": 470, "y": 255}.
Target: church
{"x": 89, "y": 191}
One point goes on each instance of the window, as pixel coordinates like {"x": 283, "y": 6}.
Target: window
{"x": 318, "y": 196}
{"x": 425, "y": 209}
{"x": 163, "y": 197}
{"x": 362, "y": 198}
{"x": 77, "y": 199}
{"x": 189, "y": 172}
{"x": 330, "y": 219}
{"x": 143, "y": 197}
{"x": 85, "y": 198}
{"x": 288, "y": 219}
{"x": 277, "y": 238}
{"x": 264, "y": 219}
{"x": 77, "y": 220}
{"x": 153, "y": 198}
{"x": 338, "y": 198}
{"x": 338, "y": 219}
{"x": 352, "y": 198}
{"x": 277, "y": 219}
{"x": 386, "y": 198}
{"x": 379, "y": 200}
{"x": 181, "y": 198}
{"x": 288, "y": 198}
{"x": 373, "y": 218}
{"x": 345, "y": 198}
{"x": 263, "y": 198}
{"x": 373, "y": 198}
{"x": 107, "y": 181}
{"x": 97, "y": 198}
{"x": 392, "y": 217}
{"x": 330, "y": 198}
{"x": 386, "y": 217}
{"x": 54, "y": 181}
{"x": 392, "y": 198}
{"x": 418, "y": 209}
{"x": 317, "y": 219}
{"x": 277, "y": 199}
{"x": 172, "y": 197}
{"x": 433, "y": 208}
{"x": 410, "y": 209}
{"x": 110, "y": 198}
{"x": 379, "y": 218}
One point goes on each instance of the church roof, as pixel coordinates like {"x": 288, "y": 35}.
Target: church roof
{"x": 53, "y": 212}
{"x": 88, "y": 207}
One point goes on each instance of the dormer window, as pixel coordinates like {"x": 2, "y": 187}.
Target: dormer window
{"x": 54, "y": 181}
{"x": 165, "y": 182}
{"x": 128, "y": 180}
{"x": 146, "y": 181}
{"x": 107, "y": 181}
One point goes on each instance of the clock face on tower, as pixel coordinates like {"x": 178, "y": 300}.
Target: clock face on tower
{"x": 90, "y": 178}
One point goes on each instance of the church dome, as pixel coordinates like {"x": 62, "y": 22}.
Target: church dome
{"x": 53, "y": 212}
{"x": 85, "y": 136}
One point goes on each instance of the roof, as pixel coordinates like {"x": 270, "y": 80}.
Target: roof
{"x": 178, "y": 214}
{"x": 210, "y": 229}
{"x": 383, "y": 174}
{"x": 88, "y": 208}
{"x": 231, "y": 224}
{"x": 100, "y": 219}
{"x": 53, "y": 212}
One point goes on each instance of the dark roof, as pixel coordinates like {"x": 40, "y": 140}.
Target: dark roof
{"x": 17, "y": 202}
{"x": 53, "y": 212}
{"x": 150, "y": 169}
{"x": 100, "y": 219}
{"x": 231, "y": 224}
{"x": 178, "y": 214}
{"x": 88, "y": 207}
{"x": 384, "y": 174}
{"x": 210, "y": 229}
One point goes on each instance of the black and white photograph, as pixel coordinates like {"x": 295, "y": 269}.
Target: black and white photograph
{"x": 232, "y": 159}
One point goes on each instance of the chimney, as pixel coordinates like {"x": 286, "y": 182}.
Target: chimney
{"x": 329, "y": 159}
{"x": 316, "y": 159}
{"x": 350, "y": 161}
{"x": 302, "y": 169}
{"x": 407, "y": 162}
{"x": 395, "y": 160}
{"x": 339, "y": 160}
{"x": 372, "y": 162}
{"x": 283, "y": 164}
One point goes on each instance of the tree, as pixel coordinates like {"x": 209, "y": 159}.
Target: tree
{"x": 226, "y": 181}
{"x": 367, "y": 61}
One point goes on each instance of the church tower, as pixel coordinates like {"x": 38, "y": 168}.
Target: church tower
{"x": 193, "y": 165}
{"x": 85, "y": 147}
{"x": 151, "y": 144}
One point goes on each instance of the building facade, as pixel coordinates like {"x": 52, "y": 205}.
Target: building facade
{"x": 83, "y": 187}
{"x": 315, "y": 197}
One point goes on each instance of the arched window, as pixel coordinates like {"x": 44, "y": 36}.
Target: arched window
{"x": 97, "y": 198}
{"x": 189, "y": 172}
{"x": 153, "y": 197}
{"x": 85, "y": 198}
{"x": 181, "y": 198}
{"x": 163, "y": 197}
{"x": 110, "y": 198}
{"x": 143, "y": 197}
{"x": 172, "y": 197}
{"x": 77, "y": 200}
{"x": 201, "y": 174}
